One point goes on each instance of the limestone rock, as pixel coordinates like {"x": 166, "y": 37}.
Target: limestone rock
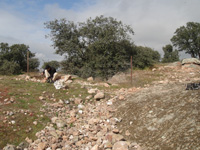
{"x": 53, "y": 120}
{"x": 92, "y": 91}
{"x": 78, "y": 100}
{"x": 60, "y": 123}
{"x": 121, "y": 145}
{"x": 99, "y": 95}
{"x": 90, "y": 79}
{"x": 41, "y": 146}
{"x": 96, "y": 147}
{"x": 66, "y": 77}
{"x": 41, "y": 98}
{"x": 190, "y": 61}
{"x": 9, "y": 147}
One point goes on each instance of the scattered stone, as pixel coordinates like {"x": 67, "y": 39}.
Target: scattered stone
{"x": 127, "y": 133}
{"x": 106, "y": 85}
{"x": 90, "y": 79}
{"x": 66, "y": 77}
{"x": 89, "y": 97}
{"x": 92, "y": 91}
{"x": 154, "y": 69}
{"x": 108, "y": 145}
{"x": 66, "y": 101}
{"x": 9, "y": 147}
{"x": 116, "y": 131}
{"x": 35, "y": 122}
{"x": 121, "y": 145}
{"x": 12, "y": 122}
{"x": 77, "y": 100}
{"x": 41, "y": 98}
{"x": 96, "y": 147}
{"x": 109, "y": 103}
{"x": 99, "y": 95}
{"x": 121, "y": 97}
{"x": 23, "y": 146}
{"x": 41, "y": 146}
{"x": 60, "y": 123}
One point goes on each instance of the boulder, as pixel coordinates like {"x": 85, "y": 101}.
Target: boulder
{"x": 118, "y": 78}
{"x": 190, "y": 61}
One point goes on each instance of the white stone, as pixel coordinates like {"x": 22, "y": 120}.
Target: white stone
{"x": 92, "y": 91}
{"x": 109, "y": 103}
{"x": 35, "y": 122}
{"x": 13, "y": 122}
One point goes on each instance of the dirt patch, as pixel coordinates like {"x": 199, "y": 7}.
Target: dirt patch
{"x": 3, "y": 94}
{"x": 162, "y": 117}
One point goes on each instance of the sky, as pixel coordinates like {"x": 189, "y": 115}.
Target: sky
{"x": 153, "y": 21}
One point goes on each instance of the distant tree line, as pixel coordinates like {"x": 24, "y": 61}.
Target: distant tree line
{"x": 13, "y": 59}
{"x": 99, "y": 47}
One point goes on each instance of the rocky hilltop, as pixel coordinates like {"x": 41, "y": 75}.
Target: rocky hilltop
{"x": 158, "y": 113}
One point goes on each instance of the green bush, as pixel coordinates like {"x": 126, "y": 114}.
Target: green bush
{"x": 9, "y": 68}
{"x": 52, "y": 63}
{"x": 145, "y": 57}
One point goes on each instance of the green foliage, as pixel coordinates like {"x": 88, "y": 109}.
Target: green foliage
{"x": 169, "y": 54}
{"x": 187, "y": 38}
{"x": 145, "y": 57}
{"x": 52, "y": 63}
{"x": 9, "y": 67}
{"x": 97, "y": 47}
{"x": 16, "y": 56}
{"x": 33, "y": 63}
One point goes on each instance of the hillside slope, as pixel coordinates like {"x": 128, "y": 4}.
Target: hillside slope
{"x": 164, "y": 115}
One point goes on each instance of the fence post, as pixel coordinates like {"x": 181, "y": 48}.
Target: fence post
{"x": 27, "y": 61}
{"x": 131, "y": 71}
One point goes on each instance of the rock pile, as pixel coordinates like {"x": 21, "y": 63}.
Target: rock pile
{"x": 86, "y": 127}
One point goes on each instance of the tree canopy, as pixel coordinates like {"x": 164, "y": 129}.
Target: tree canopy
{"x": 145, "y": 57}
{"x": 187, "y": 38}
{"x": 99, "y": 47}
{"x": 170, "y": 55}
{"x": 96, "y": 47}
{"x": 15, "y": 58}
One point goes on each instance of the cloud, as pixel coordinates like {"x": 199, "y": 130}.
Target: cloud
{"x": 154, "y": 22}
{"x": 15, "y": 28}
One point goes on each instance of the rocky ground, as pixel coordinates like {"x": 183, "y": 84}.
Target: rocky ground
{"x": 158, "y": 115}
{"x": 164, "y": 115}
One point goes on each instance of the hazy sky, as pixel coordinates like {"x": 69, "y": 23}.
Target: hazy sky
{"x": 153, "y": 21}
